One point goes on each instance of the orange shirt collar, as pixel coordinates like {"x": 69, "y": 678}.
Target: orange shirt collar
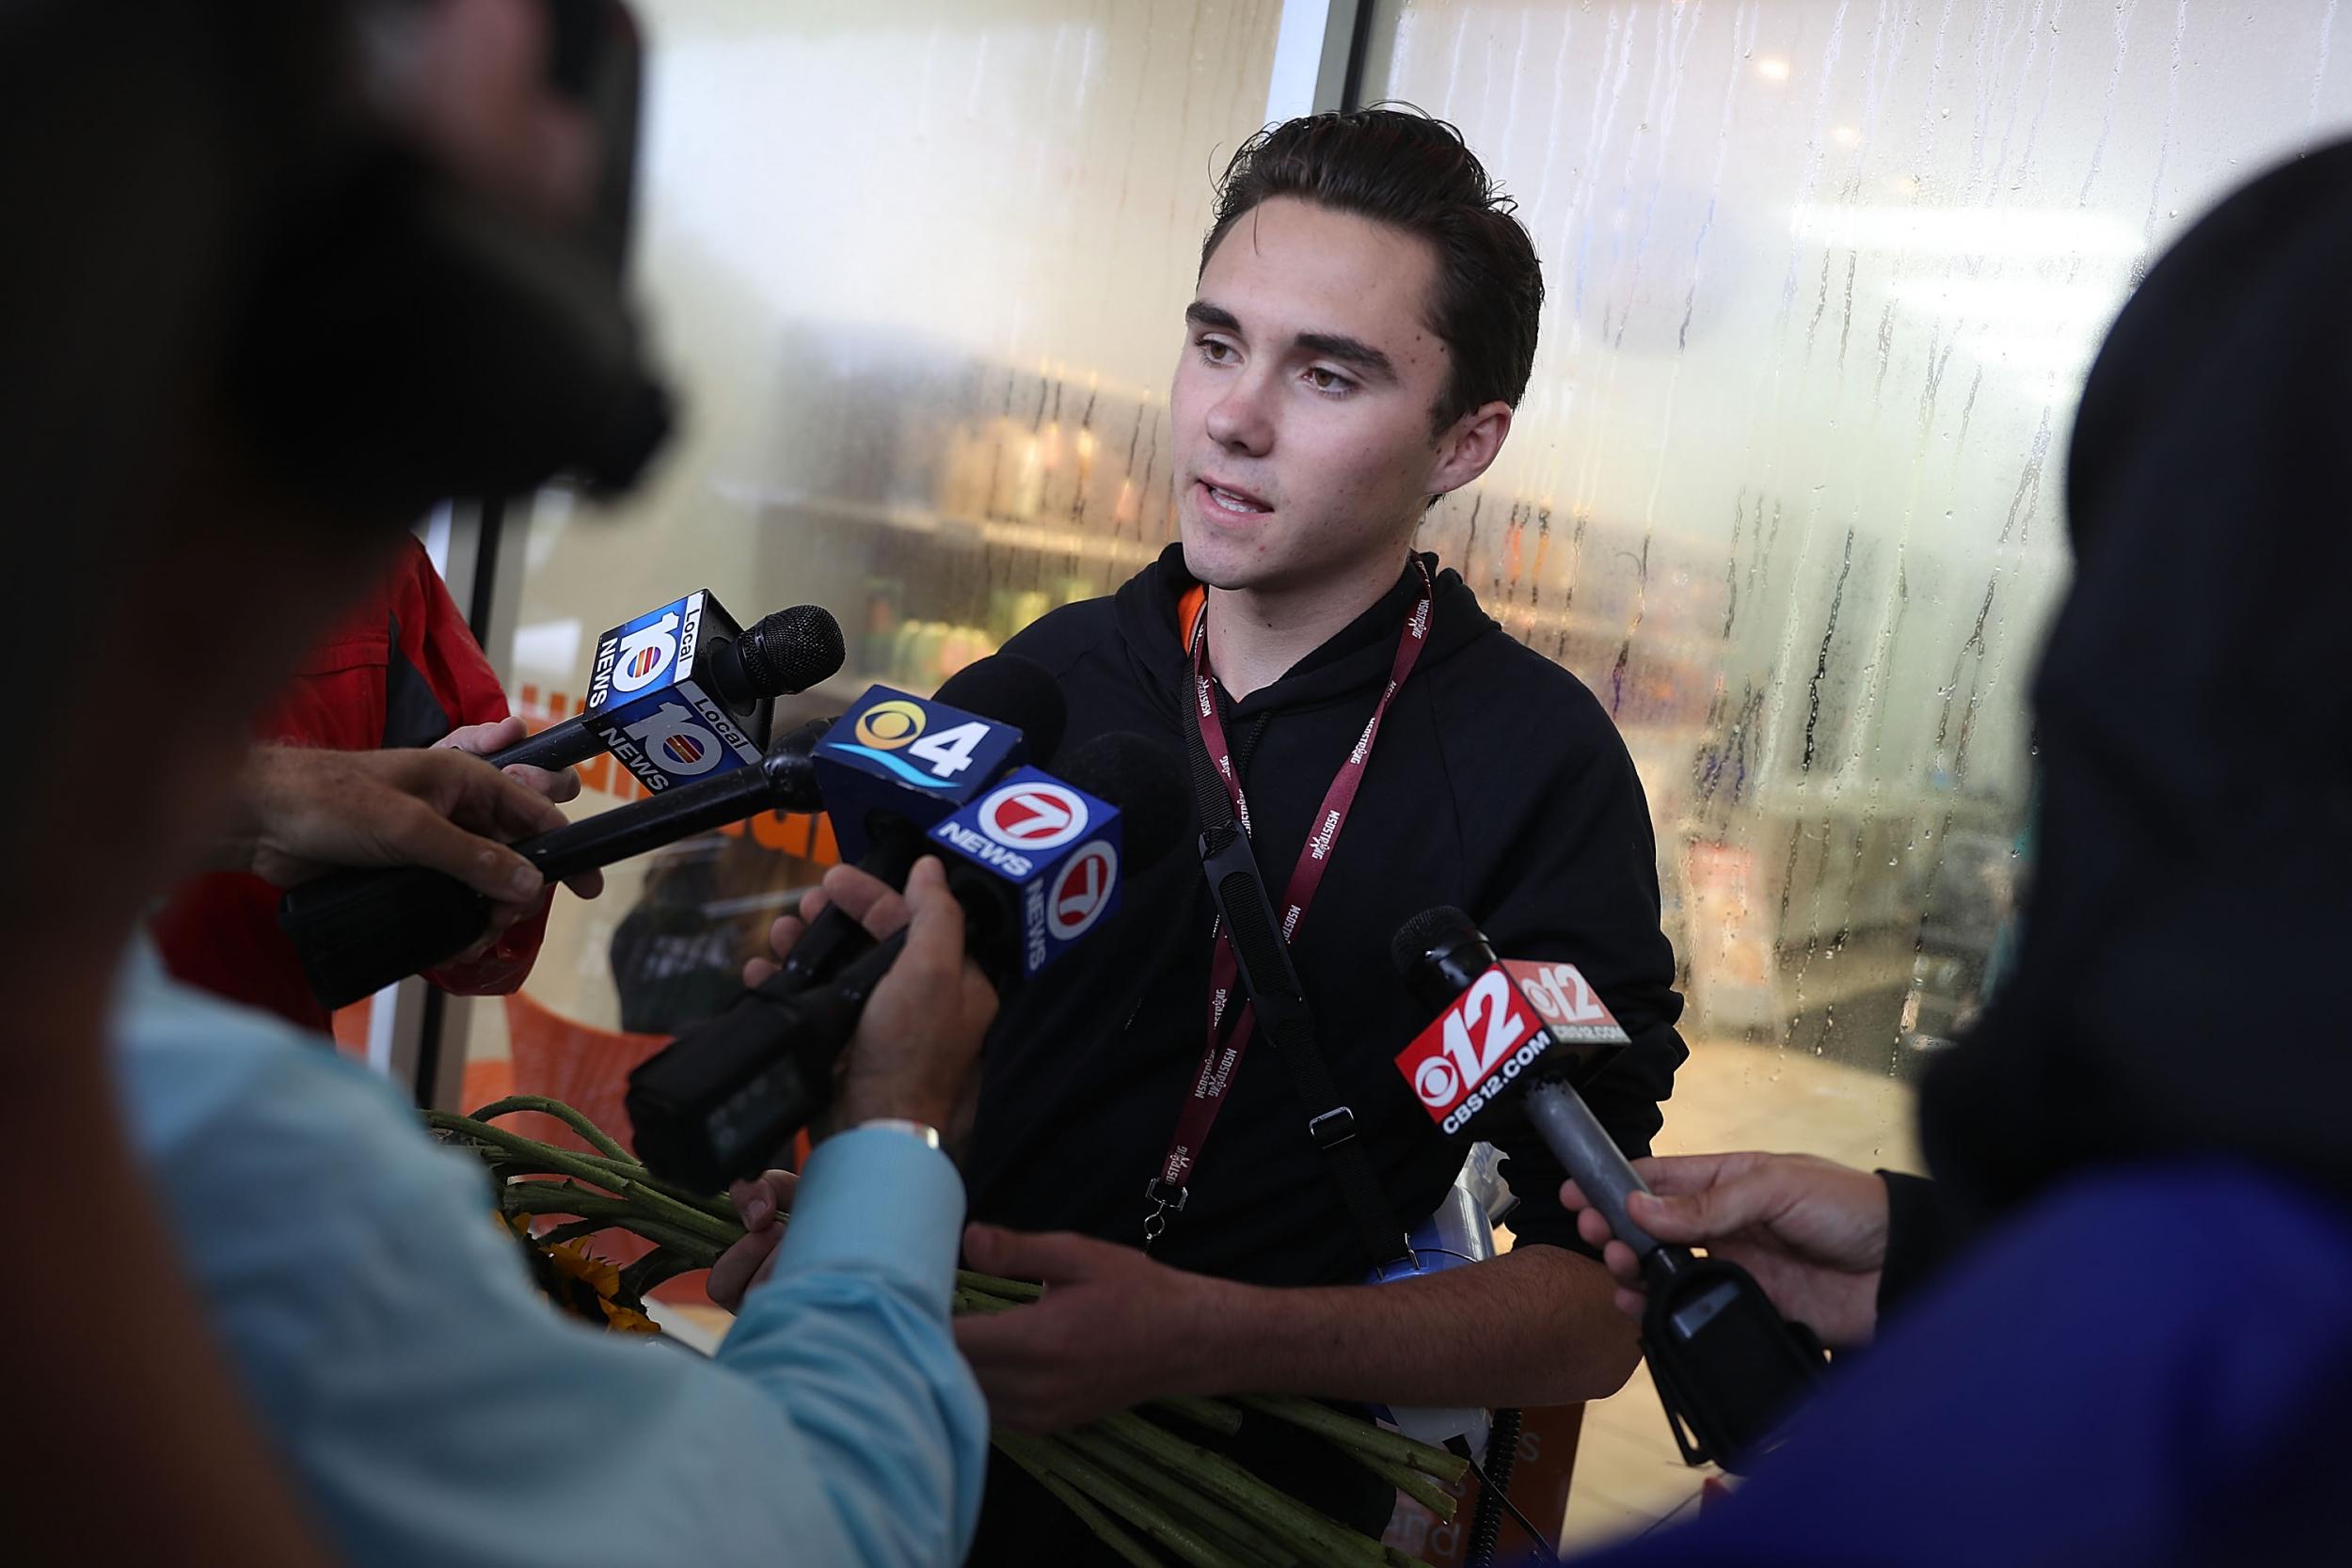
{"x": 1188, "y": 611}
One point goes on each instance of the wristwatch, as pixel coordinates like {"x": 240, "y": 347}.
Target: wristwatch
{"x": 924, "y": 1130}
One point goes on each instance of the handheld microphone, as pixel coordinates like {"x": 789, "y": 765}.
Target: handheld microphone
{"x": 721, "y": 1099}
{"x": 682, "y": 692}
{"x": 895, "y": 765}
{"x": 920, "y": 758}
{"x": 1036, "y": 863}
{"x": 357, "y": 931}
{"x": 1728, "y": 1368}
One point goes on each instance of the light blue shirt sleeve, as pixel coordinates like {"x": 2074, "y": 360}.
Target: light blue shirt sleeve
{"x": 436, "y": 1409}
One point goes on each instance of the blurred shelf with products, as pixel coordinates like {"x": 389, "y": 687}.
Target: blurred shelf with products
{"x": 1058, "y": 494}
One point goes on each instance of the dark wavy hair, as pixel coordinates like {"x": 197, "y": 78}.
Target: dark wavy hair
{"x": 1406, "y": 169}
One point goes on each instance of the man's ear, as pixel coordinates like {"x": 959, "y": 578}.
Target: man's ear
{"x": 1466, "y": 448}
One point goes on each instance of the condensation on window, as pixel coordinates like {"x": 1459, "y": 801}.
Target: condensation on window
{"x": 1785, "y": 492}
{"x": 916, "y": 272}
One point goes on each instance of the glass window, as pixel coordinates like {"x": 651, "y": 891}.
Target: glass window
{"x": 916, "y": 272}
{"x": 1785, "y": 492}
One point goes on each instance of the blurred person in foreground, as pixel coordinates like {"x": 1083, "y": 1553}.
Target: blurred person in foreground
{"x": 102, "y": 1346}
{"x": 383, "y": 1344}
{"x": 2136, "y": 1343}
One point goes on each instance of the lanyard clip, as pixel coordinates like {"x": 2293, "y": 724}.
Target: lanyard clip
{"x": 1165, "y": 1200}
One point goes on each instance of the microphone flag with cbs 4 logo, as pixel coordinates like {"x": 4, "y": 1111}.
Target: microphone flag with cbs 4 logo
{"x": 896, "y": 761}
{"x": 1034, "y": 862}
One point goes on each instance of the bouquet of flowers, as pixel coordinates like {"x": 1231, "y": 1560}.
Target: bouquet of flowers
{"x": 1133, "y": 1478}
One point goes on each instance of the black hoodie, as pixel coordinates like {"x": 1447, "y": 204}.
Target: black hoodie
{"x": 1498, "y": 784}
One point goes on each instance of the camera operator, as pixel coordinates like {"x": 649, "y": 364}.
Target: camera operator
{"x": 380, "y": 1336}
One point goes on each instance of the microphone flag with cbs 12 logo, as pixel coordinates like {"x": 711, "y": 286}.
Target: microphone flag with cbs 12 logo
{"x": 1516, "y": 1014}
{"x": 653, "y": 696}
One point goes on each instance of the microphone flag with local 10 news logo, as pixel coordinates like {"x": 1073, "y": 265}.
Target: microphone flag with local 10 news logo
{"x": 1054, "y": 845}
{"x": 1515, "y": 1014}
{"x": 918, "y": 759}
{"x": 653, "y": 700}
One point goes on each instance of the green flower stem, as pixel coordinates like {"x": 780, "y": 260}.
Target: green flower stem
{"x": 1008, "y": 1290}
{"x": 1420, "y": 1488}
{"x": 603, "y": 1212}
{"x": 1218, "y": 1508}
{"x": 628, "y": 1165}
{"x": 550, "y": 1198}
{"x": 1213, "y": 1415}
{"x": 1358, "y": 1436}
{"x": 1092, "y": 1517}
{"x": 1130, "y": 1504}
{"x": 1316, "y": 1538}
{"x": 719, "y": 1209}
{"x": 586, "y": 1168}
{"x": 1273, "y": 1513}
{"x": 1174, "y": 1493}
{"x": 538, "y": 1195}
{"x": 578, "y": 1121}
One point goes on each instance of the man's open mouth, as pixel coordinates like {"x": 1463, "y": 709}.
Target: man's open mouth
{"x": 1239, "y": 503}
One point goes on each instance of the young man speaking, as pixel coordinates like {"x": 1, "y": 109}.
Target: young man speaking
{"x": 1364, "y": 324}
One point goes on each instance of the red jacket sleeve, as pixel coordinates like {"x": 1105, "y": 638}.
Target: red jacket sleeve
{"x": 434, "y": 655}
{"x": 401, "y": 670}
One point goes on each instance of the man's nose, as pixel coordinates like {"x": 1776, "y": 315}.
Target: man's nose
{"x": 1240, "y": 419}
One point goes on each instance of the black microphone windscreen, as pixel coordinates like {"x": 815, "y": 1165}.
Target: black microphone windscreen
{"x": 1012, "y": 690}
{"x": 791, "y": 650}
{"x": 1426, "y": 932}
{"x": 1137, "y": 775}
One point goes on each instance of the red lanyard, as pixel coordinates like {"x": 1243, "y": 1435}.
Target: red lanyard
{"x": 1219, "y": 1063}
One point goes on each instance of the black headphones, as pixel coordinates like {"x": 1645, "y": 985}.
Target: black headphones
{"x": 406, "y": 340}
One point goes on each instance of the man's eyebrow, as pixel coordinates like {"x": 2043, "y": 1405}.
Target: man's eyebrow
{"x": 1330, "y": 346}
{"x": 1347, "y": 351}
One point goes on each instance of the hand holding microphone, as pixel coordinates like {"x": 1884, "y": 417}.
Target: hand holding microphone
{"x": 1034, "y": 863}
{"x": 915, "y": 1055}
{"x": 1729, "y": 1370}
{"x": 917, "y": 1046}
{"x": 302, "y": 812}
{"x": 1811, "y": 1231}
{"x": 486, "y": 741}
{"x": 357, "y": 931}
{"x": 895, "y": 765}
{"x": 679, "y": 692}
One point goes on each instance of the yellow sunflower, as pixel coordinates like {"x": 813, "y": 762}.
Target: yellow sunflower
{"x": 572, "y": 1272}
{"x": 573, "y": 1260}
{"x": 627, "y": 1320}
